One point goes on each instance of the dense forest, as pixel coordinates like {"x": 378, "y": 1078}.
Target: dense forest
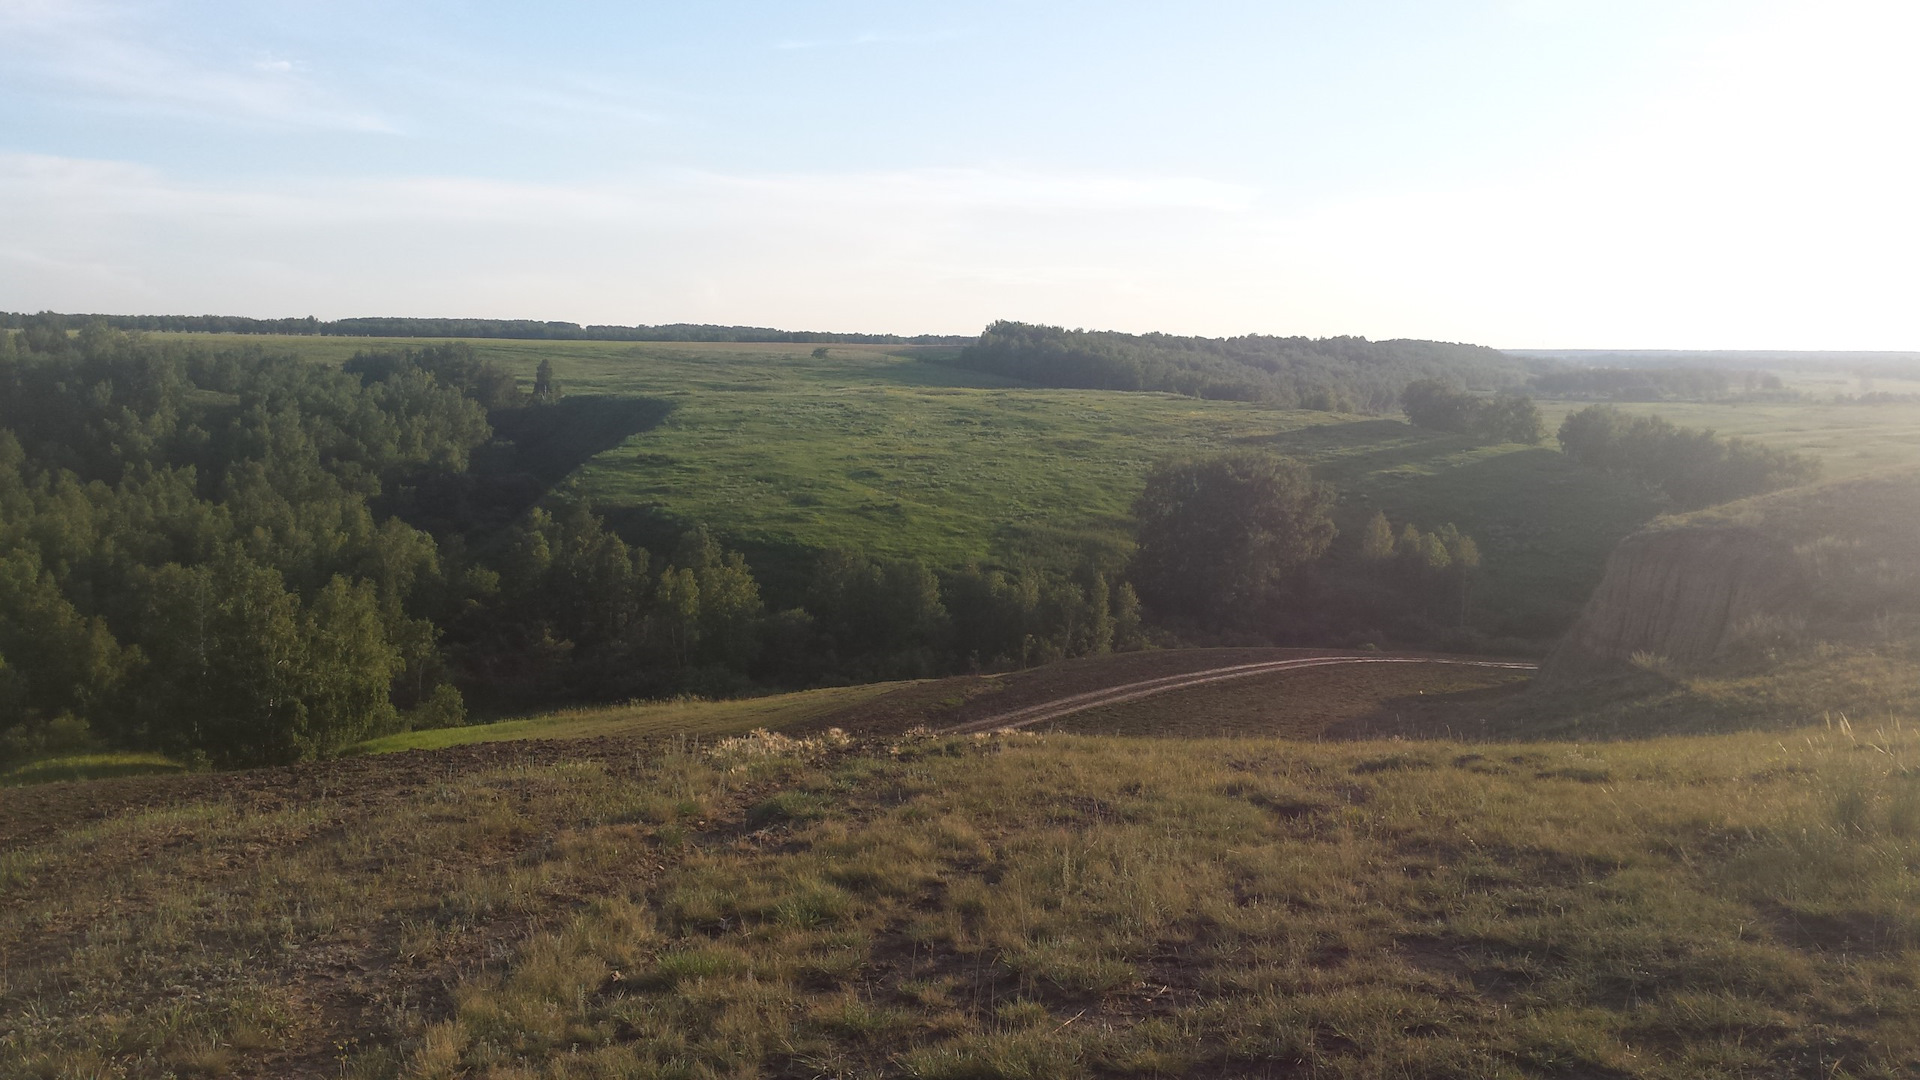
{"x": 1692, "y": 467}
{"x": 1342, "y": 374}
{"x": 1657, "y": 384}
{"x": 208, "y": 551}
{"x": 460, "y": 328}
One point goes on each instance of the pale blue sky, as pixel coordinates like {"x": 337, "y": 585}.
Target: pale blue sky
{"x": 1571, "y": 173}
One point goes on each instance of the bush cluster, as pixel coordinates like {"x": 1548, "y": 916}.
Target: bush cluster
{"x": 1692, "y": 467}
{"x": 1503, "y": 418}
{"x": 1342, "y": 374}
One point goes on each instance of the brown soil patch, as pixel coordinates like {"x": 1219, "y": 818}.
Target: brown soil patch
{"x": 1341, "y": 701}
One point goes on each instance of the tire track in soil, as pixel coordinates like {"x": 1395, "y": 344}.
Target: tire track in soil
{"x": 1134, "y": 691}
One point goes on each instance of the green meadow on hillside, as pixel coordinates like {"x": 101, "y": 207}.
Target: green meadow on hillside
{"x": 886, "y": 449}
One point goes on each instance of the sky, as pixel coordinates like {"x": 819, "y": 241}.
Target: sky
{"x": 1739, "y": 174}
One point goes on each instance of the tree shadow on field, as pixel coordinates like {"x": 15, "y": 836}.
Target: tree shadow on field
{"x": 534, "y": 447}
{"x": 1544, "y": 525}
{"x": 549, "y": 442}
{"x": 1362, "y": 447}
{"x": 1545, "y": 528}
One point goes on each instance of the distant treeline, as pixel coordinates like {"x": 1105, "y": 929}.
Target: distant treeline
{"x": 1692, "y": 467}
{"x": 1340, "y": 374}
{"x": 526, "y": 329}
{"x": 1655, "y": 384}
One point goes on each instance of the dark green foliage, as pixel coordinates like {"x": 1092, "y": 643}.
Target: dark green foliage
{"x": 1431, "y": 573}
{"x": 546, "y": 390}
{"x": 1510, "y": 418}
{"x": 1398, "y": 586}
{"x": 188, "y": 557}
{"x": 1503, "y": 418}
{"x": 454, "y": 365}
{"x": 53, "y": 661}
{"x": 1224, "y": 535}
{"x": 1692, "y": 467}
{"x": 1655, "y": 383}
{"x": 238, "y": 668}
{"x": 882, "y": 608}
{"x": 1332, "y": 374}
{"x": 1027, "y": 616}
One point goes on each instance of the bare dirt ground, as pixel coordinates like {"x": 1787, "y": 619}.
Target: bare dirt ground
{"x": 1127, "y": 693}
{"x": 1090, "y": 690}
{"x": 30, "y": 813}
{"x": 1315, "y": 703}
{"x": 963, "y": 703}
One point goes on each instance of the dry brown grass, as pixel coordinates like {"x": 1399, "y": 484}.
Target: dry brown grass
{"x": 1039, "y": 906}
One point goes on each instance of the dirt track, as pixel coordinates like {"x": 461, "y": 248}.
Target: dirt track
{"x": 960, "y": 704}
{"x": 1133, "y": 691}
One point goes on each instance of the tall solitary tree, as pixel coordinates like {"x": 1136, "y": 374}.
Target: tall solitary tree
{"x": 546, "y": 389}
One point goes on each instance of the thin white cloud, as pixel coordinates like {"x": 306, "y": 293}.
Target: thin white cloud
{"x": 985, "y": 187}
{"x": 870, "y": 37}
{"x": 113, "y": 58}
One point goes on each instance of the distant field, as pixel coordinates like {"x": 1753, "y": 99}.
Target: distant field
{"x": 884, "y": 448}
{"x": 1850, "y": 439}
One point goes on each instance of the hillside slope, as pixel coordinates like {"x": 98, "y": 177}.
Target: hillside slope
{"x": 1838, "y": 563}
{"x": 975, "y": 907}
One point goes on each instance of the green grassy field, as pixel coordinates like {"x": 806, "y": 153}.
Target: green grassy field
{"x": 884, "y": 448}
{"x": 685, "y": 719}
{"x": 87, "y": 766}
{"x": 693, "y": 719}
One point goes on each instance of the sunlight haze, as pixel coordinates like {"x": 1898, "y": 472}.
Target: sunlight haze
{"x": 1519, "y": 173}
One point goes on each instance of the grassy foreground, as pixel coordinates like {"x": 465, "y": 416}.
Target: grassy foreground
{"x": 1013, "y": 906}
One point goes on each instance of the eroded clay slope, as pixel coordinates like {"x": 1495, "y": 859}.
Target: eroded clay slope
{"x": 1840, "y": 561}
